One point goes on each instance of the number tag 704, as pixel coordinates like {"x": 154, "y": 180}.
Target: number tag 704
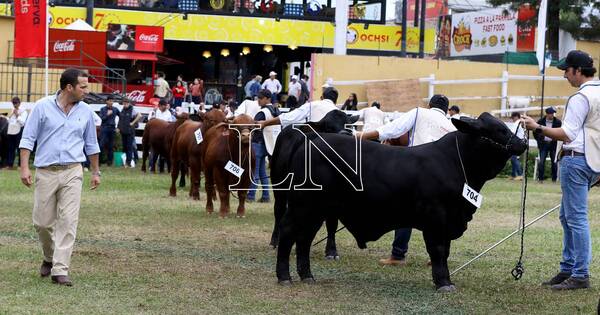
{"x": 472, "y": 196}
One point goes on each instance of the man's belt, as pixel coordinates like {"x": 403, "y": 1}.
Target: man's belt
{"x": 57, "y": 167}
{"x": 570, "y": 153}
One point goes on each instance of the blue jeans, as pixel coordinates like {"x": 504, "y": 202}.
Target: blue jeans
{"x": 259, "y": 171}
{"x": 107, "y": 141}
{"x": 400, "y": 244}
{"x": 516, "y": 166}
{"x": 545, "y": 149}
{"x": 576, "y": 179}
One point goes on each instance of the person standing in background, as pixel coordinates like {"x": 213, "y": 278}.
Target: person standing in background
{"x": 16, "y": 123}
{"x": 108, "y": 114}
{"x": 273, "y": 85}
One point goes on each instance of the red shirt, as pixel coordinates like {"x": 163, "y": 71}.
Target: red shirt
{"x": 178, "y": 92}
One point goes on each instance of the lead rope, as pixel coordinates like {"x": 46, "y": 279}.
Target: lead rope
{"x": 519, "y": 269}
{"x": 460, "y": 159}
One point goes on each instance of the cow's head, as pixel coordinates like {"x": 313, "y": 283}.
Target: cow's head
{"x": 243, "y": 124}
{"x": 333, "y": 122}
{"x": 492, "y": 131}
{"x": 212, "y": 118}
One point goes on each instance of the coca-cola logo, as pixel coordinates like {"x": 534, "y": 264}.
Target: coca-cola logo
{"x": 64, "y": 46}
{"x": 152, "y": 38}
{"x": 137, "y": 96}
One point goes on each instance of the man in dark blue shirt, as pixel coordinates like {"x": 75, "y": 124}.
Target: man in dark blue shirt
{"x": 108, "y": 114}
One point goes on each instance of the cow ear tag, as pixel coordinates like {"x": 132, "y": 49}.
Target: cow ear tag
{"x": 234, "y": 169}
{"x": 198, "y": 135}
{"x": 472, "y": 196}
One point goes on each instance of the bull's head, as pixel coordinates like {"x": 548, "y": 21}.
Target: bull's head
{"x": 492, "y": 131}
{"x": 333, "y": 122}
{"x": 212, "y": 118}
{"x": 244, "y": 125}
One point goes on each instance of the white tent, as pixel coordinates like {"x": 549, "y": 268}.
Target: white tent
{"x": 80, "y": 25}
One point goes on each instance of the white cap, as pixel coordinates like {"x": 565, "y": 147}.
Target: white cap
{"x": 272, "y": 73}
{"x": 294, "y": 77}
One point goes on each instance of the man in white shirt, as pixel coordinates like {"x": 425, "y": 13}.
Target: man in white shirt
{"x": 16, "y": 122}
{"x": 161, "y": 87}
{"x": 424, "y": 125}
{"x": 372, "y": 117}
{"x": 248, "y": 107}
{"x": 295, "y": 88}
{"x": 514, "y": 126}
{"x": 162, "y": 112}
{"x": 579, "y": 168}
{"x": 454, "y": 112}
{"x": 312, "y": 111}
{"x": 273, "y": 85}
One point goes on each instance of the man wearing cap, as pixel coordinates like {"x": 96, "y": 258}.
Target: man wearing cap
{"x": 273, "y": 85}
{"x": 579, "y": 168}
{"x": 295, "y": 87}
{"x": 128, "y": 119}
{"x": 108, "y": 114}
{"x": 547, "y": 145}
{"x": 424, "y": 125}
{"x": 16, "y": 123}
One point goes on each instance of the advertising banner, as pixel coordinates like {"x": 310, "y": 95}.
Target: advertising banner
{"x": 135, "y": 38}
{"x": 526, "y": 34}
{"x": 434, "y": 9}
{"x": 78, "y": 48}
{"x": 30, "y": 28}
{"x": 214, "y": 28}
{"x": 485, "y": 32}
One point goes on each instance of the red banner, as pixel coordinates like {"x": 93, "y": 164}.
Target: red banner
{"x": 77, "y": 48}
{"x": 135, "y": 38}
{"x": 30, "y": 28}
{"x": 434, "y": 9}
{"x": 526, "y": 34}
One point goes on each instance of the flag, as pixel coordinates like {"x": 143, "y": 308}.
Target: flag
{"x": 30, "y": 28}
{"x": 541, "y": 36}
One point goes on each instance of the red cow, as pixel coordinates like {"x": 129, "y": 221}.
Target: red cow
{"x": 186, "y": 152}
{"x": 158, "y": 137}
{"x": 221, "y": 146}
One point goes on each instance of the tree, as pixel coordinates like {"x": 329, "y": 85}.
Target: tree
{"x": 568, "y": 15}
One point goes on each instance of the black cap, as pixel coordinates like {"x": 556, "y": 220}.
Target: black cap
{"x": 455, "y": 108}
{"x": 576, "y": 59}
{"x": 439, "y": 101}
{"x": 550, "y": 110}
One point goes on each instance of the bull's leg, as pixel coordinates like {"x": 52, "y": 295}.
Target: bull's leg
{"x": 183, "y": 170}
{"x": 303, "y": 243}
{"x": 174, "y": 174}
{"x": 279, "y": 210}
{"x": 284, "y": 250}
{"x": 209, "y": 186}
{"x": 195, "y": 180}
{"x": 223, "y": 189}
{"x": 330, "y": 249}
{"x": 439, "y": 250}
{"x": 241, "y": 209}
{"x": 144, "y": 156}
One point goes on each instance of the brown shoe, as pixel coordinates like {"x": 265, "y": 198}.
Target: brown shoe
{"x": 62, "y": 280}
{"x": 45, "y": 269}
{"x": 391, "y": 261}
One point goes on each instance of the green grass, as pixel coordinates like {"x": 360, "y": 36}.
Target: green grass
{"x": 139, "y": 251}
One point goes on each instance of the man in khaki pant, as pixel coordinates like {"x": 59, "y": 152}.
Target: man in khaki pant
{"x": 63, "y": 126}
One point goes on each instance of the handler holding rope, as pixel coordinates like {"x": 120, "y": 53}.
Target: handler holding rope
{"x": 579, "y": 168}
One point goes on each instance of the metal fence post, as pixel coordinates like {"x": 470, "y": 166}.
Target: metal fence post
{"x": 431, "y": 91}
{"x": 504, "y": 96}
{"x": 29, "y": 82}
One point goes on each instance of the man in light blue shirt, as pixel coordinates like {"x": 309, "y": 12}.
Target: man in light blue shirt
{"x": 63, "y": 126}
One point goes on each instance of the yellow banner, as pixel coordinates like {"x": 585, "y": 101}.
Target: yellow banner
{"x": 255, "y": 30}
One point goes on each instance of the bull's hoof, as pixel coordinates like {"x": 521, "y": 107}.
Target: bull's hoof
{"x": 332, "y": 257}
{"x": 309, "y": 280}
{"x": 285, "y": 283}
{"x": 195, "y": 197}
{"x": 240, "y": 216}
{"x": 446, "y": 289}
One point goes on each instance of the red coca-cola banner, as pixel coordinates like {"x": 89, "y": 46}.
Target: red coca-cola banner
{"x": 78, "y": 48}
{"x": 140, "y": 94}
{"x": 526, "y": 34}
{"x": 30, "y": 28}
{"x": 135, "y": 38}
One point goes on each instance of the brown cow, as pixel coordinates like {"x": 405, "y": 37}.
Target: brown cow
{"x": 221, "y": 146}
{"x": 186, "y": 152}
{"x": 158, "y": 137}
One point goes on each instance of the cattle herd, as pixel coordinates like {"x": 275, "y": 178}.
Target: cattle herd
{"x": 320, "y": 172}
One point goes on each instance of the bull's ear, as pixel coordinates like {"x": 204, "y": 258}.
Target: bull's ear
{"x": 350, "y": 119}
{"x": 202, "y": 116}
{"x": 467, "y": 125}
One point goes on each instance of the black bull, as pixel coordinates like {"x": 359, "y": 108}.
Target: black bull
{"x": 418, "y": 187}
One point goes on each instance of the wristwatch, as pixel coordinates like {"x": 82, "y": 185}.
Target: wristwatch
{"x": 96, "y": 173}
{"x": 539, "y": 129}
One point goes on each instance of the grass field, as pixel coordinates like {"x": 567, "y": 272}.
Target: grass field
{"x": 139, "y": 251}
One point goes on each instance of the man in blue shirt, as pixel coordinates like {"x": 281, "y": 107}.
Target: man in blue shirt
{"x": 108, "y": 114}
{"x": 63, "y": 126}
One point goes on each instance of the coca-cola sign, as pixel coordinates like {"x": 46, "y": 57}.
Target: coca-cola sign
{"x": 152, "y": 38}
{"x": 137, "y": 96}
{"x": 64, "y": 46}
{"x": 134, "y": 37}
